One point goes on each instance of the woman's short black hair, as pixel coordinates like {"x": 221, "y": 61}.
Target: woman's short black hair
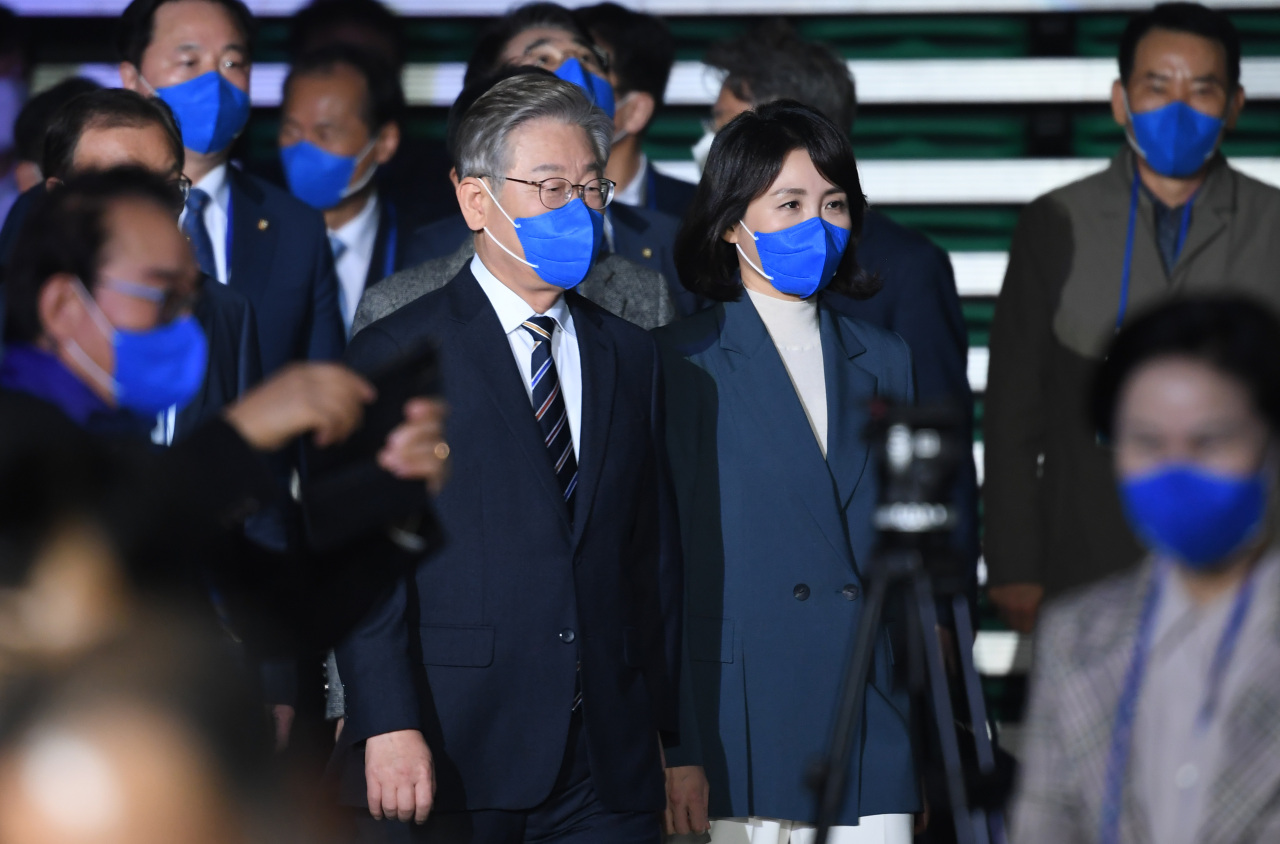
{"x": 745, "y": 158}
{"x": 1239, "y": 337}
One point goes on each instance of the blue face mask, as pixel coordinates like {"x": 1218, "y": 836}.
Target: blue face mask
{"x": 800, "y": 260}
{"x": 1194, "y": 516}
{"x": 155, "y": 369}
{"x": 210, "y": 111}
{"x": 1175, "y": 140}
{"x": 598, "y": 89}
{"x": 561, "y": 245}
{"x": 320, "y": 178}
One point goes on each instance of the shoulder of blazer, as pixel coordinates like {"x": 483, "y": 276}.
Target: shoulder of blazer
{"x": 692, "y": 335}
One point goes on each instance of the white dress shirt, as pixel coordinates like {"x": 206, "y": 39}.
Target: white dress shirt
{"x": 512, "y": 312}
{"x": 216, "y": 216}
{"x": 358, "y": 236}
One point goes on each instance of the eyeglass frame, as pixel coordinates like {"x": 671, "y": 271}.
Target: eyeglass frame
{"x": 170, "y": 304}
{"x": 578, "y": 189}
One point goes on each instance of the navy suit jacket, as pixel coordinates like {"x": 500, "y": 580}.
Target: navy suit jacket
{"x": 919, "y": 302}
{"x": 390, "y": 238}
{"x": 639, "y": 234}
{"x": 234, "y": 364}
{"x": 777, "y": 541}
{"x": 668, "y": 194}
{"x": 282, "y": 263}
{"x": 479, "y": 648}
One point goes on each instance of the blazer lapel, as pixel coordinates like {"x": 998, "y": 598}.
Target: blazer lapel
{"x": 381, "y": 242}
{"x": 489, "y": 353}
{"x": 849, "y": 389}
{"x": 253, "y": 239}
{"x": 763, "y": 385}
{"x": 599, "y": 385}
{"x": 189, "y": 417}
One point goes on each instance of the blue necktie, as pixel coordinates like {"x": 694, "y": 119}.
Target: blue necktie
{"x": 550, "y": 409}
{"x": 339, "y": 248}
{"x": 193, "y": 227}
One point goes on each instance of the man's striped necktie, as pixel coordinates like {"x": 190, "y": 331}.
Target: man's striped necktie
{"x": 550, "y": 409}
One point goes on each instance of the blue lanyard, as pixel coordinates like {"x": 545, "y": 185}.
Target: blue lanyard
{"x": 231, "y": 227}
{"x": 393, "y": 235}
{"x": 1127, "y": 708}
{"x": 1128, "y": 243}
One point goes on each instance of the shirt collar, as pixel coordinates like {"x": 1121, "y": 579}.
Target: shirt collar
{"x": 360, "y": 233}
{"x": 216, "y": 186}
{"x": 511, "y": 309}
{"x": 634, "y": 192}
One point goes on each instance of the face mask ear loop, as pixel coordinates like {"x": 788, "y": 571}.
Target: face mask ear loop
{"x": 744, "y": 254}
{"x": 368, "y": 176}
{"x": 90, "y": 366}
{"x": 513, "y": 222}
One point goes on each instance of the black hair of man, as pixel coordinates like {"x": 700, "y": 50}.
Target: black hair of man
{"x": 473, "y": 92}
{"x": 107, "y": 108}
{"x": 486, "y": 56}
{"x": 1191, "y": 18}
{"x": 746, "y": 157}
{"x": 137, "y": 26}
{"x": 325, "y": 22}
{"x": 34, "y": 119}
{"x": 641, "y": 48}
{"x": 66, "y": 232}
{"x": 1236, "y": 336}
{"x": 772, "y": 62}
{"x": 384, "y": 97}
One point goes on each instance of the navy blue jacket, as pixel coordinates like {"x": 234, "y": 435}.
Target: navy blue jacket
{"x": 668, "y": 194}
{"x": 234, "y": 363}
{"x": 920, "y": 303}
{"x": 639, "y": 234}
{"x": 281, "y": 261}
{"x": 777, "y": 541}
{"x": 479, "y": 649}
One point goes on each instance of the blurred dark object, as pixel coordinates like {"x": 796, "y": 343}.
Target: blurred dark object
{"x": 360, "y": 23}
{"x": 33, "y": 121}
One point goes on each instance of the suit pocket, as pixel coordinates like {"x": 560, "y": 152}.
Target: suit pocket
{"x": 710, "y": 639}
{"x": 633, "y": 655}
{"x": 470, "y": 647}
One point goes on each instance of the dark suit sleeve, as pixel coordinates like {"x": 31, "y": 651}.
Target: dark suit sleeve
{"x": 327, "y": 337}
{"x": 249, "y": 360}
{"x": 374, "y": 659}
{"x": 1014, "y": 420}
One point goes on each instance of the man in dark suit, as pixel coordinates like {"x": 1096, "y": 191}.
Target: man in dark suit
{"x": 249, "y": 234}
{"x": 340, "y": 122}
{"x": 641, "y": 53}
{"x": 525, "y": 673}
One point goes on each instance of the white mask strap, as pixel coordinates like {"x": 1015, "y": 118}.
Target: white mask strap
{"x": 88, "y": 364}
{"x": 744, "y": 254}
{"x": 513, "y": 222}
{"x": 485, "y": 185}
{"x": 359, "y": 186}
{"x": 95, "y": 313}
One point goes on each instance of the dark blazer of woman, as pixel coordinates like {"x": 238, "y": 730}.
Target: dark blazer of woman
{"x": 777, "y": 540}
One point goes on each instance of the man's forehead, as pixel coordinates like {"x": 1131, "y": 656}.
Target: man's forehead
{"x": 337, "y": 87}
{"x": 199, "y": 22}
{"x": 1172, "y": 50}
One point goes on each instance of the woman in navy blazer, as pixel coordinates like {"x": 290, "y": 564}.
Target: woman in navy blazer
{"x": 767, "y": 401}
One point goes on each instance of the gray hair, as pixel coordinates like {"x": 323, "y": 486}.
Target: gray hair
{"x": 482, "y": 135}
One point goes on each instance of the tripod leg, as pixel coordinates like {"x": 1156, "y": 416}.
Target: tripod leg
{"x": 967, "y": 832}
{"x": 973, "y": 685}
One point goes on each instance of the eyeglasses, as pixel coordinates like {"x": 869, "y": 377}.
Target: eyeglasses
{"x": 557, "y": 192}
{"x": 171, "y": 302}
{"x": 182, "y": 185}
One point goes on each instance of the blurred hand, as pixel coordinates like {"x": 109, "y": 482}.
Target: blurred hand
{"x": 400, "y": 776}
{"x": 687, "y": 795}
{"x": 1018, "y": 603}
{"x": 325, "y": 399}
{"x": 282, "y": 715}
{"x": 416, "y": 449}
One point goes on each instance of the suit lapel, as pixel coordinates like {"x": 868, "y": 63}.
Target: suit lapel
{"x": 1209, "y": 217}
{"x": 253, "y": 239}
{"x": 763, "y": 386}
{"x": 599, "y": 385}
{"x": 488, "y": 352}
{"x": 849, "y": 389}
{"x": 381, "y": 242}
{"x": 190, "y": 416}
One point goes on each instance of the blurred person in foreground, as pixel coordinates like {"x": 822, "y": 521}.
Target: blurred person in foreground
{"x": 14, "y": 72}
{"x": 767, "y": 398}
{"x": 1154, "y": 693}
{"x": 548, "y": 36}
{"x": 340, "y": 122}
{"x": 1168, "y": 218}
{"x": 918, "y": 299}
{"x": 518, "y": 686}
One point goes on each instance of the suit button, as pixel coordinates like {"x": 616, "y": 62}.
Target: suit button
{"x": 801, "y": 592}
{"x": 851, "y": 592}
{"x": 567, "y": 636}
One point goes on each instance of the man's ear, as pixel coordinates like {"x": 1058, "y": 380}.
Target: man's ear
{"x": 471, "y": 199}
{"x": 1118, "y": 111}
{"x": 1236, "y": 106}
{"x": 453, "y": 177}
{"x": 60, "y": 308}
{"x": 636, "y": 113}
{"x": 384, "y": 148}
{"x": 131, "y": 78}
{"x": 52, "y": 183}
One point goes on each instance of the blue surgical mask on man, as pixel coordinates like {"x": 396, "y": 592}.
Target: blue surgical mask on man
{"x": 799, "y": 260}
{"x": 560, "y": 245}
{"x": 1197, "y": 517}
{"x": 210, "y": 111}
{"x": 155, "y": 369}
{"x": 1175, "y": 140}
{"x": 598, "y": 89}
{"x": 320, "y": 178}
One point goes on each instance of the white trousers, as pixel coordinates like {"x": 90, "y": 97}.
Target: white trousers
{"x": 876, "y": 829}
